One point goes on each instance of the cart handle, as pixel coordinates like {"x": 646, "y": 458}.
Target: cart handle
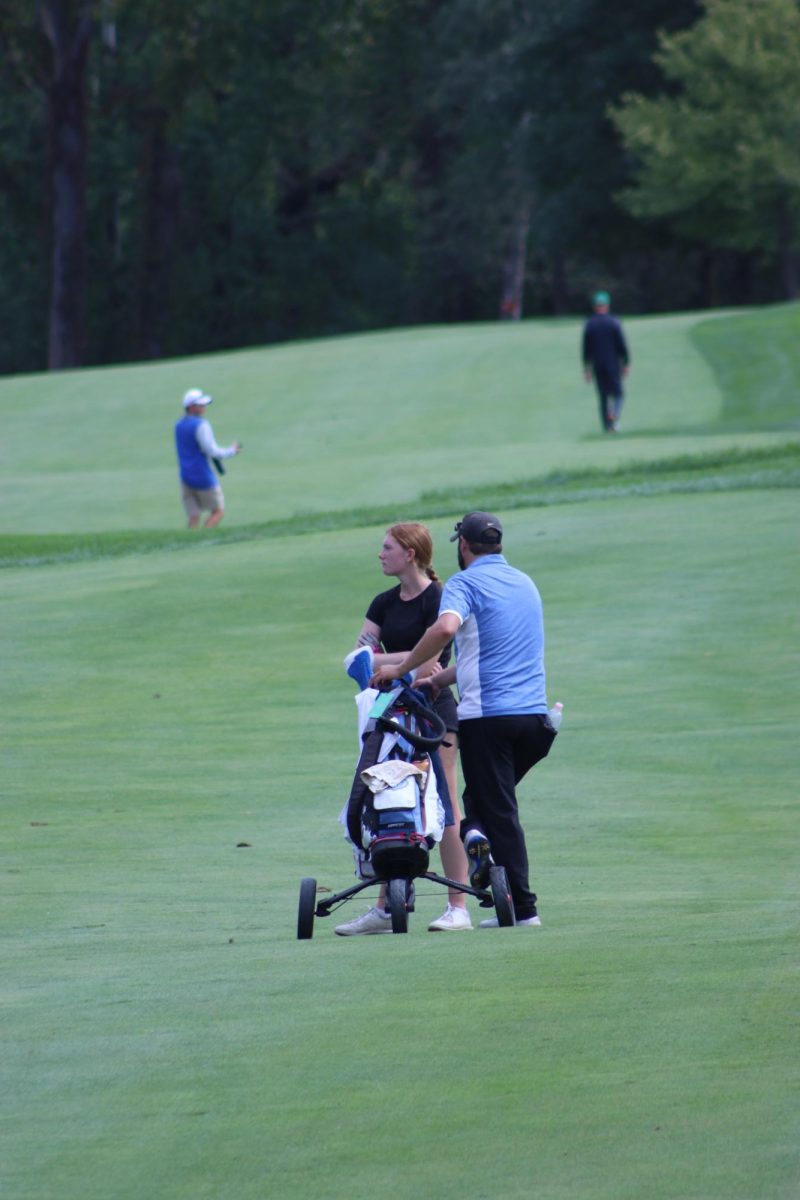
{"x": 418, "y": 740}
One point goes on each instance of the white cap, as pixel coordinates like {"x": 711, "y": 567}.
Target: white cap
{"x": 196, "y": 396}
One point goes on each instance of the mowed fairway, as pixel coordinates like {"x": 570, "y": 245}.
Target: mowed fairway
{"x": 383, "y": 418}
{"x": 180, "y": 737}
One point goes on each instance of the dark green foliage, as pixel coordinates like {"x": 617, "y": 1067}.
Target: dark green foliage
{"x": 716, "y": 154}
{"x": 264, "y": 172}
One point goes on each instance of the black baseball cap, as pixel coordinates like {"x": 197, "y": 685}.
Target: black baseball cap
{"x": 479, "y": 527}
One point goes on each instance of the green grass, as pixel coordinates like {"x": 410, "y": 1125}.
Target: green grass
{"x": 756, "y": 363}
{"x": 179, "y": 738}
{"x": 731, "y": 470}
{"x": 369, "y": 421}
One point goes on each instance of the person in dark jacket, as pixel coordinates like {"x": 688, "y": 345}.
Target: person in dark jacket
{"x": 606, "y": 358}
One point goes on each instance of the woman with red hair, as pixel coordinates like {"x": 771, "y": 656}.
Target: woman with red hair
{"x": 395, "y": 621}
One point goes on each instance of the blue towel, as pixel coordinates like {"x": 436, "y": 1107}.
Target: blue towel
{"x": 359, "y": 666}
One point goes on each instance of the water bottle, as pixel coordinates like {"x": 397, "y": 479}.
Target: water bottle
{"x": 556, "y": 714}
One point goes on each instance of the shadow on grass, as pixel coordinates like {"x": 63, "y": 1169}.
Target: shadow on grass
{"x": 694, "y": 431}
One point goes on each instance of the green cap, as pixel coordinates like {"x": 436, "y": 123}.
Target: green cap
{"x": 601, "y": 298}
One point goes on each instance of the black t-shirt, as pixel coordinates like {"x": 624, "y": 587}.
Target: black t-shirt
{"x": 403, "y": 622}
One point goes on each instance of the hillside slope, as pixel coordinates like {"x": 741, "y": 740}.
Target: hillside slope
{"x": 378, "y": 419}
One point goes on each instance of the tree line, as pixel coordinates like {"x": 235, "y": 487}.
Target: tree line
{"x": 184, "y": 177}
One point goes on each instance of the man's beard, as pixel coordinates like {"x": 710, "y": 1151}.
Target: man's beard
{"x": 461, "y": 564}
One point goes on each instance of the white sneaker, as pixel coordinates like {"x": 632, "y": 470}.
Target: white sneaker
{"x": 453, "y": 917}
{"x": 373, "y": 921}
{"x": 493, "y": 923}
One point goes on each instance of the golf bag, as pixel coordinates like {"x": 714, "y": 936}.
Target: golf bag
{"x": 395, "y": 815}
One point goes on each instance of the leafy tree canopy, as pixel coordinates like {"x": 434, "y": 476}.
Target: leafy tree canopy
{"x": 718, "y": 153}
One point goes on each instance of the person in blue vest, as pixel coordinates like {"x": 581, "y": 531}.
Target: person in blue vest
{"x": 196, "y": 448}
{"x": 494, "y": 612}
{"x": 605, "y": 356}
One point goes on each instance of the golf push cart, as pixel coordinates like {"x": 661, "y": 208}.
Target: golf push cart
{"x": 395, "y": 816}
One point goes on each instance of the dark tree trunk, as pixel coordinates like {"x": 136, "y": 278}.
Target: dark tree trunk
{"x": 790, "y": 275}
{"x": 163, "y": 183}
{"x": 743, "y": 279}
{"x": 710, "y": 268}
{"x": 558, "y": 284}
{"x": 788, "y": 260}
{"x": 68, "y": 28}
{"x": 514, "y": 270}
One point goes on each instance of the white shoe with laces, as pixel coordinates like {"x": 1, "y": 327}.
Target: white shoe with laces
{"x": 453, "y": 917}
{"x": 372, "y": 921}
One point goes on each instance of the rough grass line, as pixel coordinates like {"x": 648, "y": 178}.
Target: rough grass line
{"x": 733, "y": 470}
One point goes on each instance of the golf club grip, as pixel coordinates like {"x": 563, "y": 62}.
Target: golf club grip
{"x": 218, "y": 464}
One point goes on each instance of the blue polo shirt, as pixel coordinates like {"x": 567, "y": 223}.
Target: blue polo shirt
{"x": 500, "y": 643}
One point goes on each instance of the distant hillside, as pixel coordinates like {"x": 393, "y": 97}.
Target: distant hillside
{"x": 379, "y": 420}
{"x": 755, "y": 358}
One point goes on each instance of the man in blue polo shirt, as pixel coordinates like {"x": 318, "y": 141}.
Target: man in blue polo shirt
{"x": 196, "y": 448}
{"x": 494, "y": 612}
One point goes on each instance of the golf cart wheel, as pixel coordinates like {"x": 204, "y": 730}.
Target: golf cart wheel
{"x": 396, "y": 897}
{"x": 306, "y": 909}
{"x": 501, "y": 894}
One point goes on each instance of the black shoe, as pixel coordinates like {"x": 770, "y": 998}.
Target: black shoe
{"x": 478, "y": 851}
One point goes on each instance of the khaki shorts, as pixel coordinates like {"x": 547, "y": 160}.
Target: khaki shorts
{"x": 195, "y": 501}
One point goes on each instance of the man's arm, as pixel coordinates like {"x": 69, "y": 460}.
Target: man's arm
{"x": 429, "y": 646}
{"x": 586, "y": 352}
{"x": 206, "y": 442}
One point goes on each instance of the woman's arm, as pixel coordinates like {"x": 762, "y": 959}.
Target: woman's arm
{"x": 370, "y": 636}
{"x": 443, "y": 677}
{"x": 428, "y": 648}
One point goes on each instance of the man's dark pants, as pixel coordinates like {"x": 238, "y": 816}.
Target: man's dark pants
{"x": 609, "y": 394}
{"x": 496, "y": 752}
